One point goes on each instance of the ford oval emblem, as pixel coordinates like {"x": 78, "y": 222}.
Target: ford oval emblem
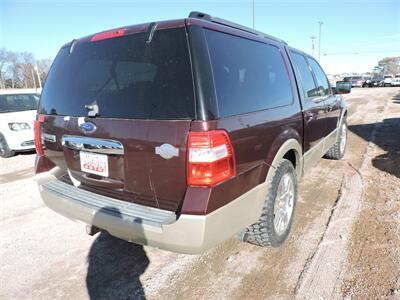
{"x": 87, "y": 127}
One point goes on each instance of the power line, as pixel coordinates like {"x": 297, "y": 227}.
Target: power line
{"x": 364, "y": 52}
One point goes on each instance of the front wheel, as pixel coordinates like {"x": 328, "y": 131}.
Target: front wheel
{"x": 338, "y": 149}
{"x": 273, "y": 227}
{"x": 5, "y": 151}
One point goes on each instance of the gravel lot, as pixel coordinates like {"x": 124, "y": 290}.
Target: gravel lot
{"x": 345, "y": 242}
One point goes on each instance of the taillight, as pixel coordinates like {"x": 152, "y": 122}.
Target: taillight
{"x": 210, "y": 158}
{"x": 108, "y": 35}
{"x": 38, "y": 138}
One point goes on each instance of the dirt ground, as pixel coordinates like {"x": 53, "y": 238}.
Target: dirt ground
{"x": 345, "y": 242}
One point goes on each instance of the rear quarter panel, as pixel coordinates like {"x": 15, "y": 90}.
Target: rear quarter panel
{"x": 256, "y": 138}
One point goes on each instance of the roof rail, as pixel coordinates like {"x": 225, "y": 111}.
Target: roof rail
{"x": 207, "y": 17}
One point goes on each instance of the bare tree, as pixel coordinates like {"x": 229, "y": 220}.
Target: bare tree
{"x": 3, "y": 60}
{"x": 43, "y": 66}
{"x": 18, "y": 69}
{"x": 26, "y": 62}
{"x": 388, "y": 65}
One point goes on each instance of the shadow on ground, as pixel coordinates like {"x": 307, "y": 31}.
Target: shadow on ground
{"x": 387, "y": 137}
{"x": 30, "y": 152}
{"x": 396, "y": 99}
{"x": 18, "y": 175}
{"x": 114, "y": 267}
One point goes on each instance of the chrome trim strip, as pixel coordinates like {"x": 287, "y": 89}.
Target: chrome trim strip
{"x": 92, "y": 145}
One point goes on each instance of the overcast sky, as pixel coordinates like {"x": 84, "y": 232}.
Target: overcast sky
{"x": 355, "y": 33}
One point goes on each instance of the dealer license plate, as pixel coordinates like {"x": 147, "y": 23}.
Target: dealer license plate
{"x": 94, "y": 163}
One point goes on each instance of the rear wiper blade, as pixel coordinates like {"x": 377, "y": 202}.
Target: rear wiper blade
{"x": 93, "y": 110}
{"x": 151, "y": 30}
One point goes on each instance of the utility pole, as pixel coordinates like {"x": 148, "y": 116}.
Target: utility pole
{"x": 33, "y": 78}
{"x": 38, "y": 75}
{"x": 319, "y": 41}
{"x": 313, "y": 38}
{"x": 253, "y": 13}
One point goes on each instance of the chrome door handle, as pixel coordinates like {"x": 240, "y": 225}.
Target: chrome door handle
{"x": 89, "y": 144}
{"x": 309, "y": 116}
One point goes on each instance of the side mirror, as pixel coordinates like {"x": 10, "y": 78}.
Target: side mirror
{"x": 342, "y": 87}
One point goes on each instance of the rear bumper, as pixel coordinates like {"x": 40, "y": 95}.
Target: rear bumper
{"x": 190, "y": 234}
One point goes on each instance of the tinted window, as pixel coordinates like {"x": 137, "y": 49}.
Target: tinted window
{"x": 18, "y": 102}
{"x": 126, "y": 77}
{"x": 249, "y": 76}
{"x": 322, "y": 81}
{"x": 306, "y": 75}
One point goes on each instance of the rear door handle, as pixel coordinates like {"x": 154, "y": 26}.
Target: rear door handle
{"x": 309, "y": 116}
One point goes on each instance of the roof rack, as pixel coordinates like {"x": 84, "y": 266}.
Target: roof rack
{"x": 207, "y": 17}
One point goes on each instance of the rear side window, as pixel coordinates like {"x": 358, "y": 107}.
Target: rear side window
{"x": 307, "y": 79}
{"x": 322, "y": 81}
{"x": 126, "y": 77}
{"x": 248, "y": 75}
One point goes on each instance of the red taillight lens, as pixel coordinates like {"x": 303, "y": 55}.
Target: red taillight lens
{"x": 210, "y": 158}
{"x": 108, "y": 35}
{"x": 38, "y": 138}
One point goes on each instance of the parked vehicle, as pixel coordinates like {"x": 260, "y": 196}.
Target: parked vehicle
{"x": 17, "y": 114}
{"x": 181, "y": 134}
{"x": 387, "y": 80}
{"x": 357, "y": 81}
{"x": 375, "y": 81}
{"x": 395, "y": 81}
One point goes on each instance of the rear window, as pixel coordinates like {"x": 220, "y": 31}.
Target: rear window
{"x": 248, "y": 75}
{"x": 125, "y": 77}
{"x": 18, "y": 102}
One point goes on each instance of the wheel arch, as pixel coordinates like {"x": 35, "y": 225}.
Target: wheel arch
{"x": 291, "y": 150}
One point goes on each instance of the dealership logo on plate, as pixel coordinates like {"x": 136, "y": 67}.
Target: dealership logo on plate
{"x": 87, "y": 127}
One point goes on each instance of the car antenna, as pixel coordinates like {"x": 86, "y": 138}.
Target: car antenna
{"x": 151, "y": 30}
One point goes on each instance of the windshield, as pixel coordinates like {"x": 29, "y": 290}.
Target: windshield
{"x": 123, "y": 77}
{"x": 18, "y": 102}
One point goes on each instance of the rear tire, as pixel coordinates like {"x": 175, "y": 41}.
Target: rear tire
{"x": 5, "y": 151}
{"x": 339, "y": 148}
{"x": 273, "y": 227}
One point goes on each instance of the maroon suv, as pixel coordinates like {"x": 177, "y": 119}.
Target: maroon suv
{"x": 181, "y": 134}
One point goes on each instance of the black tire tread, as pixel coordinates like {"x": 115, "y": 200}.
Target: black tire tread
{"x": 334, "y": 153}
{"x": 7, "y": 151}
{"x": 262, "y": 233}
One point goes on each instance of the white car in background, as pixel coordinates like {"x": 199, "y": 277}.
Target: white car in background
{"x": 17, "y": 114}
{"x": 387, "y": 81}
{"x": 396, "y": 81}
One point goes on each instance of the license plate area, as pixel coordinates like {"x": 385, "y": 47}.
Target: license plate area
{"x": 94, "y": 163}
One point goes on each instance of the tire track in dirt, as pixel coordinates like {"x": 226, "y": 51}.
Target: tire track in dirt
{"x": 374, "y": 257}
{"x": 324, "y": 275}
